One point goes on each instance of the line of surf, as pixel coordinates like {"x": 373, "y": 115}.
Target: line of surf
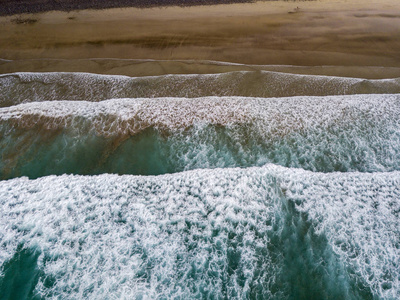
{"x": 166, "y": 135}
{"x": 172, "y": 235}
{"x": 33, "y": 87}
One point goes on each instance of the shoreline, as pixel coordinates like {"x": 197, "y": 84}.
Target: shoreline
{"x": 292, "y": 33}
{"x": 150, "y": 67}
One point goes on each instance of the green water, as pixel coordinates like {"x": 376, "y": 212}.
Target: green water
{"x": 152, "y": 152}
{"x": 291, "y": 262}
{"x": 21, "y": 275}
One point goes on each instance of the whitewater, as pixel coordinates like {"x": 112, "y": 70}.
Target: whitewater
{"x": 234, "y": 185}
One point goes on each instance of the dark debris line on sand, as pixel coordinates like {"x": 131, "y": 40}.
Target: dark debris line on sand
{"x": 11, "y": 7}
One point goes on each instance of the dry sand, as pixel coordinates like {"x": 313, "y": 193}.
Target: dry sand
{"x": 348, "y": 34}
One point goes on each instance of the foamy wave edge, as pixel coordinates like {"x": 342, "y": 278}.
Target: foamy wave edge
{"x": 357, "y": 213}
{"x": 32, "y": 87}
{"x": 271, "y": 115}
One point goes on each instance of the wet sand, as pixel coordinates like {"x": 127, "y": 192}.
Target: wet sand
{"x": 352, "y": 37}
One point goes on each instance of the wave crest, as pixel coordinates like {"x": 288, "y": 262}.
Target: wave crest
{"x": 33, "y": 87}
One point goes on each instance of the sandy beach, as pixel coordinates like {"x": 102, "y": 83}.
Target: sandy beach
{"x": 347, "y": 35}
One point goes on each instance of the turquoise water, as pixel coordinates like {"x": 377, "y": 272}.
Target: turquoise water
{"x": 151, "y": 153}
{"x": 168, "y": 135}
{"x": 106, "y": 195}
{"x": 265, "y": 232}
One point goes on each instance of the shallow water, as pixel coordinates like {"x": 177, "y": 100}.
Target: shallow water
{"x": 33, "y": 87}
{"x": 291, "y": 192}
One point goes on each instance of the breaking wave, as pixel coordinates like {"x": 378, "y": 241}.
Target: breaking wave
{"x": 32, "y": 87}
{"x": 268, "y": 232}
{"x": 166, "y": 135}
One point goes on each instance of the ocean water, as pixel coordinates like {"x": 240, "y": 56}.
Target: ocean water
{"x": 237, "y": 185}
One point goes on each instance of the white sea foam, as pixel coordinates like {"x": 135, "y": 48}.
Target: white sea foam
{"x": 346, "y": 133}
{"x": 18, "y": 88}
{"x": 272, "y": 115}
{"x": 170, "y": 236}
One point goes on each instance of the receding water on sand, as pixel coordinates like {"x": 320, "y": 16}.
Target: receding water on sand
{"x": 151, "y": 67}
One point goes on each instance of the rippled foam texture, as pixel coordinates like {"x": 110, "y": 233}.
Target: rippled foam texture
{"x": 31, "y": 87}
{"x": 165, "y": 135}
{"x": 269, "y": 232}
